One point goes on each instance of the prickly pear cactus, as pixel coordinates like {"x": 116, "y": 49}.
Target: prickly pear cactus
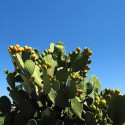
{"x": 54, "y": 90}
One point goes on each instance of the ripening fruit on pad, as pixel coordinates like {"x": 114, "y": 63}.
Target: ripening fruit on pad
{"x": 112, "y": 92}
{"x": 80, "y": 91}
{"x": 103, "y": 102}
{"x": 97, "y": 111}
{"x": 25, "y": 47}
{"x": 85, "y": 71}
{"x": 19, "y": 50}
{"x": 45, "y": 51}
{"x": 11, "y": 52}
{"x": 6, "y": 71}
{"x": 89, "y": 53}
{"x": 33, "y": 52}
{"x": 22, "y": 49}
{"x": 96, "y": 103}
{"x": 49, "y": 75}
{"x": 90, "y": 61}
{"x": 78, "y": 49}
{"x": 29, "y": 48}
{"x": 49, "y": 65}
{"x": 93, "y": 107}
{"x": 117, "y": 91}
{"x": 33, "y": 56}
{"x": 49, "y": 51}
{"x": 54, "y": 79}
{"x": 44, "y": 67}
{"x": 87, "y": 67}
{"x": 43, "y": 54}
{"x": 86, "y": 49}
{"x": 31, "y": 79}
{"x": 97, "y": 98}
{"x": 11, "y": 47}
{"x": 17, "y": 46}
{"x": 39, "y": 66}
{"x": 20, "y": 53}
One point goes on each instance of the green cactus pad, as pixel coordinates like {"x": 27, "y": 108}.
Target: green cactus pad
{"x": 60, "y": 77}
{"x": 61, "y": 99}
{"x": 49, "y": 59}
{"x": 76, "y": 107}
{"x": 19, "y": 62}
{"x": 47, "y": 117}
{"x": 54, "y": 90}
{"x": 90, "y": 119}
{"x": 26, "y": 55}
{"x": 9, "y": 118}
{"x": 2, "y": 120}
{"x": 96, "y": 84}
{"x": 117, "y": 109}
{"x": 11, "y": 79}
{"x": 79, "y": 62}
{"x": 29, "y": 67}
{"x": 36, "y": 75}
{"x": 52, "y": 46}
{"x": 24, "y": 106}
{"x": 31, "y": 122}
{"x": 59, "y": 49}
{"x": 71, "y": 88}
{"x": 28, "y": 86}
{"x": 46, "y": 83}
{"x": 5, "y": 105}
{"x": 19, "y": 119}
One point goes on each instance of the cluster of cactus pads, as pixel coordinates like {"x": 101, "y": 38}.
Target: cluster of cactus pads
{"x": 53, "y": 90}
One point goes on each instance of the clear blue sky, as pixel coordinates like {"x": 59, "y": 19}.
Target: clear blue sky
{"x": 97, "y": 24}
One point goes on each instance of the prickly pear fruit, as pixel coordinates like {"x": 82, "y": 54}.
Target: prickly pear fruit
{"x": 49, "y": 65}
{"x": 87, "y": 67}
{"x": 6, "y": 71}
{"x": 78, "y": 49}
{"x": 117, "y": 91}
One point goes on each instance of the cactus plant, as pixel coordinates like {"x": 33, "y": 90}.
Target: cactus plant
{"x": 54, "y": 90}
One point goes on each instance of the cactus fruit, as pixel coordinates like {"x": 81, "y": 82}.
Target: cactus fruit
{"x": 117, "y": 91}
{"x": 10, "y": 47}
{"x": 49, "y": 75}
{"x": 31, "y": 79}
{"x": 112, "y": 92}
{"x": 87, "y": 67}
{"x": 86, "y": 49}
{"x": 25, "y": 48}
{"x": 49, "y": 65}
{"x": 89, "y": 53}
{"x": 43, "y": 54}
{"x": 90, "y": 61}
{"x": 45, "y": 51}
{"x": 97, "y": 111}
{"x": 29, "y": 48}
{"x": 6, "y": 71}
{"x": 96, "y": 103}
{"x": 33, "y": 56}
{"x": 49, "y": 51}
{"x": 78, "y": 49}
{"x": 93, "y": 107}
{"x": 80, "y": 91}
{"x": 103, "y": 103}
